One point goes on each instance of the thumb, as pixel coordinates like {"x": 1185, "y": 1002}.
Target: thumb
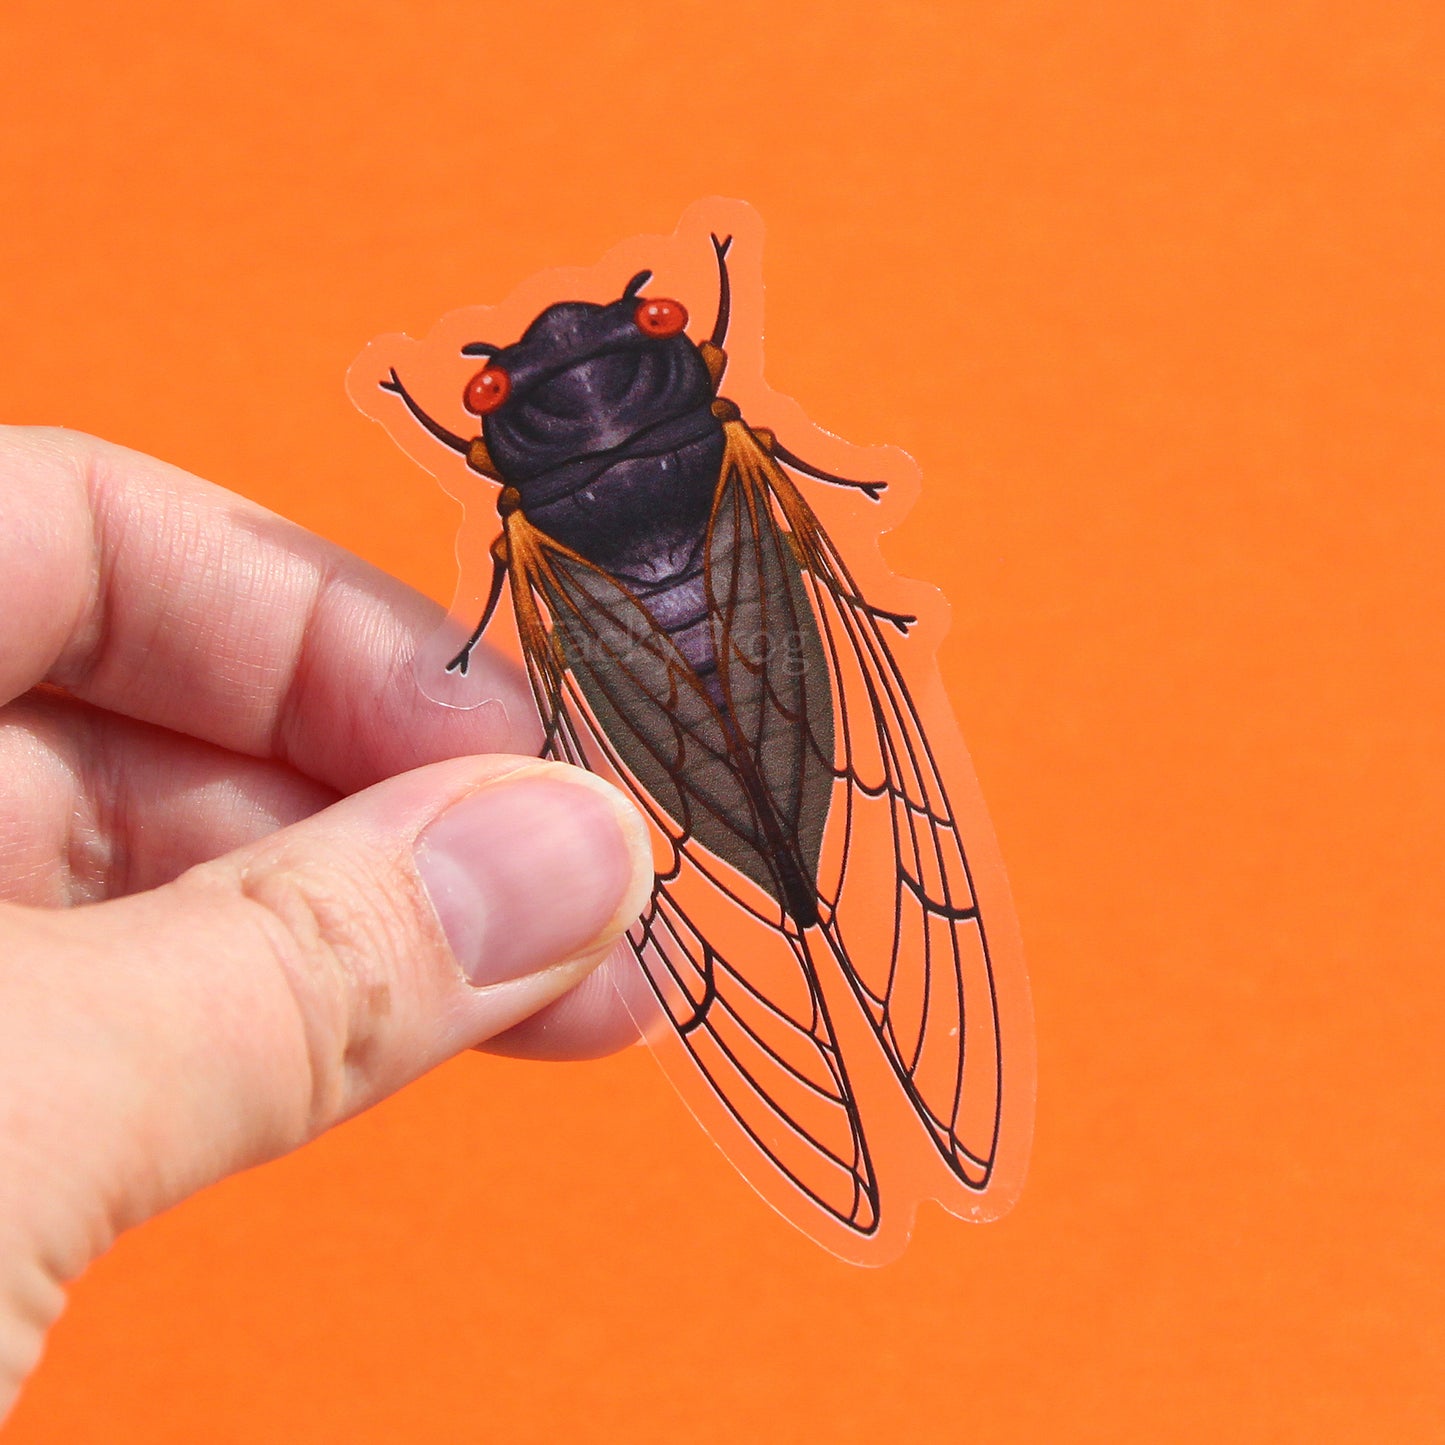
{"x": 152, "y": 1044}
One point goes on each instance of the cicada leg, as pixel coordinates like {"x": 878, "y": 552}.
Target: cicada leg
{"x": 494, "y": 594}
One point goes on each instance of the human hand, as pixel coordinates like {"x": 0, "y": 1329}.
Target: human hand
{"x": 305, "y": 884}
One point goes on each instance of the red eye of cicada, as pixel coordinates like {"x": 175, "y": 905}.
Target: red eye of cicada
{"x": 661, "y": 318}
{"x": 487, "y": 390}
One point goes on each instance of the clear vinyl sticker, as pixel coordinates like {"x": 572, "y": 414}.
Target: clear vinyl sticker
{"x": 830, "y": 968}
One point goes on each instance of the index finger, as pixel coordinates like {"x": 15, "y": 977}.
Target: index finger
{"x": 151, "y": 593}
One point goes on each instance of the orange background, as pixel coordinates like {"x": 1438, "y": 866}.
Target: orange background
{"x": 1153, "y": 293}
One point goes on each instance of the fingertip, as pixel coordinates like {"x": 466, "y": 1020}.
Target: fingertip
{"x": 546, "y": 863}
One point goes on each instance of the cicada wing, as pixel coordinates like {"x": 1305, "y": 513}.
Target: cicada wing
{"x": 773, "y": 672}
{"x": 894, "y": 849}
{"x": 755, "y": 1030}
{"x": 745, "y": 1031}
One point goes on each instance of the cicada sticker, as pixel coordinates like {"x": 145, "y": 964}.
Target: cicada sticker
{"x": 829, "y": 968}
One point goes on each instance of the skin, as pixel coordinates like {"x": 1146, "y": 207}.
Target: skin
{"x": 251, "y": 879}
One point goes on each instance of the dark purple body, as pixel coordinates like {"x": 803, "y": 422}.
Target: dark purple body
{"x": 610, "y": 440}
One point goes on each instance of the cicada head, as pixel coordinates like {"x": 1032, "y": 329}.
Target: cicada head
{"x": 589, "y": 381}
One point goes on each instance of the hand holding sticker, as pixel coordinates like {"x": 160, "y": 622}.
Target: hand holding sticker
{"x": 832, "y": 968}
{"x": 304, "y": 884}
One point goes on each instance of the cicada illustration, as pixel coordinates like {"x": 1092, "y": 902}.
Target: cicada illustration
{"x": 823, "y": 970}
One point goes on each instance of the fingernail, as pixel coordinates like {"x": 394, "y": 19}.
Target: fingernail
{"x": 533, "y": 870}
